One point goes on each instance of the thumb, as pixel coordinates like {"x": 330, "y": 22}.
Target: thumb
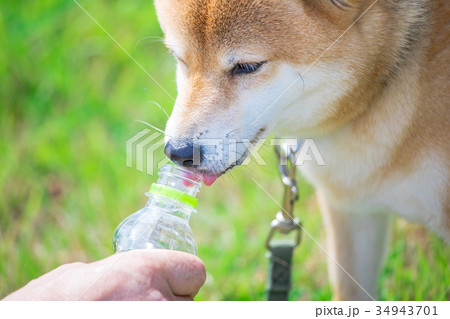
{"x": 185, "y": 273}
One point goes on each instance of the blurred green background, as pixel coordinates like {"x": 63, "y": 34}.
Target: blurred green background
{"x": 69, "y": 100}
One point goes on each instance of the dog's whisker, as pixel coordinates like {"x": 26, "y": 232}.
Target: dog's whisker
{"x": 152, "y": 126}
{"x": 228, "y": 134}
{"x": 161, "y": 108}
{"x": 154, "y": 39}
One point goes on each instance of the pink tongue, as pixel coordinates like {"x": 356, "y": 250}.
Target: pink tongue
{"x": 208, "y": 180}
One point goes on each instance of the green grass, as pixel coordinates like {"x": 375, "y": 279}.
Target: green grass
{"x": 69, "y": 100}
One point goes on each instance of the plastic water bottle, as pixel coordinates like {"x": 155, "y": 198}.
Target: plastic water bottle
{"x": 164, "y": 222}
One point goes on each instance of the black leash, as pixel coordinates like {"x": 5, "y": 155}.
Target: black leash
{"x": 280, "y": 264}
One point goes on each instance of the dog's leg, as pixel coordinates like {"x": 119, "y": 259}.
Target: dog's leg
{"x": 358, "y": 244}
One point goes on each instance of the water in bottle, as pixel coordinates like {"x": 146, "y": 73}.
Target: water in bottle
{"x": 164, "y": 222}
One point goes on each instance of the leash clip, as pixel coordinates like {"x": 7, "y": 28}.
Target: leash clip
{"x": 284, "y": 221}
{"x": 284, "y": 226}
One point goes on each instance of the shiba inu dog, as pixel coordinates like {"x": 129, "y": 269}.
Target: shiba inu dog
{"x": 367, "y": 80}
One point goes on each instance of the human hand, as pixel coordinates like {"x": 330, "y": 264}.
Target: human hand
{"x": 133, "y": 275}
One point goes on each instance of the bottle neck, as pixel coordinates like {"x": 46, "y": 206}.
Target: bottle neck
{"x": 176, "y": 186}
{"x": 179, "y": 179}
{"x": 167, "y": 205}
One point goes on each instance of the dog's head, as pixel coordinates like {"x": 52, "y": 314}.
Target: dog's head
{"x": 248, "y": 67}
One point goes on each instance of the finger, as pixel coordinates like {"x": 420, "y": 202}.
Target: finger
{"x": 184, "y": 298}
{"x": 185, "y": 273}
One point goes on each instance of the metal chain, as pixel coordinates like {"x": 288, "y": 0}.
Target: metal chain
{"x": 284, "y": 221}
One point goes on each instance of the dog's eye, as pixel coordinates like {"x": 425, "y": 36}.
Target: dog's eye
{"x": 246, "y": 68}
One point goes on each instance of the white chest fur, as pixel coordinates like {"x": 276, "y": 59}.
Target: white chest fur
{"x": 352, "y": 182}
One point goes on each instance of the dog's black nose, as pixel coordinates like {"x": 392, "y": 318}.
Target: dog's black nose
{"x": 181, "y": 152}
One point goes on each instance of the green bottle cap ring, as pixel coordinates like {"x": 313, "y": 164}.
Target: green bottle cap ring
{"x": 173, "y": 193}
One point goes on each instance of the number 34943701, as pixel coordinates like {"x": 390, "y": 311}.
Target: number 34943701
{"x": 407, "y": 310}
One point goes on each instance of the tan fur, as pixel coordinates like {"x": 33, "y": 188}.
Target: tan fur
{"x": 383, "y": 130}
